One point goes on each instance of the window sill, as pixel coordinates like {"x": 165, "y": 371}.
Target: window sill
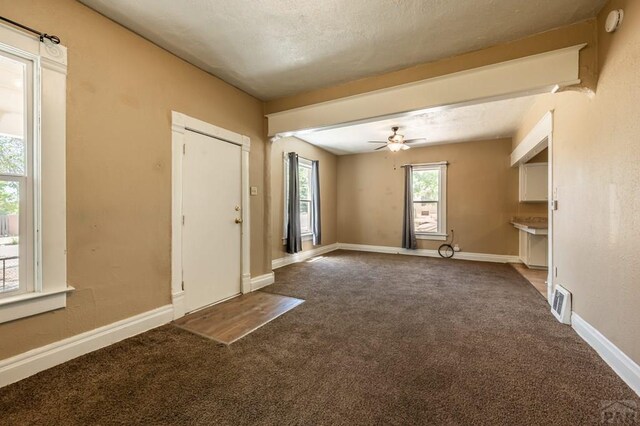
{"x": 435, "y": 237}
{"x": 305, "y": 237}
{"x": 26, "y": 305}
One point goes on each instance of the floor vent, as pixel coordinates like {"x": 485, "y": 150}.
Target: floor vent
{"x": 561, "y": 306}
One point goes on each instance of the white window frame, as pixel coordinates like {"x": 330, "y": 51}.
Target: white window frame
{"x": 302, "y": 162}
{"x": 441, "y": 233}
{"x": 47, "y": 129}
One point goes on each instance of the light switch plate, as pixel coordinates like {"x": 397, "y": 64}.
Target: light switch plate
{"x": 254, "y": 190}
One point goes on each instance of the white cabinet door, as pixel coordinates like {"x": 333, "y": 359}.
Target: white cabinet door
{"x": 537, "y": 251}
{"x": 533, "y": 182}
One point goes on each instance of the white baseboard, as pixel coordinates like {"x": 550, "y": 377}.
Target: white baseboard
{"x": 29, "y": 363}
{"x": 461, "y": 255}
{"x": 302, "y": 256}
{"x": 177, "y": 300}
{"x": 262, "y": 281}
{"x": 624, "y": 366}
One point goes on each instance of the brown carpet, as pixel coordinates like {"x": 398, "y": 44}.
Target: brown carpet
{"x": 381, "y": 339}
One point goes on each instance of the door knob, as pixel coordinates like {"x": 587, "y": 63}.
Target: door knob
{"x": 238, "y": 220}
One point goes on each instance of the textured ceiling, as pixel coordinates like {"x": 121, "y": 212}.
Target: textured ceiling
{"x": 476, "y": 122}
{"x": 274, "y": 48}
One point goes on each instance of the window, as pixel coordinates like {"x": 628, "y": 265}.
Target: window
{"x": 306, "y": 197}
{"x": 32, "y": 175}
{"x": 16, "y": 175}
{"x": 304, "y": 175}
{"x": 429, "y": 201}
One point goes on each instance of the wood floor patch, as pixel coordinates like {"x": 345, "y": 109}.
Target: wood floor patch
{"x": 537, "y": 277}
{"x": 234, "y": 319}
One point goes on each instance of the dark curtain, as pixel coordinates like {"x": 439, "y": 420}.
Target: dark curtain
{"x": 408, "y": 230}
{"x": 315, "y": 203}
{"x": 294, "y": 235}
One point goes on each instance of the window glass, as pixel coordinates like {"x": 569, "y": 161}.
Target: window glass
{"x": 13, "y": 97}
{"x": 426, "y": 185}
{"x": 304, "y": 173}
{"x": 9, "y": 235}
{"x": 426, "y": 194}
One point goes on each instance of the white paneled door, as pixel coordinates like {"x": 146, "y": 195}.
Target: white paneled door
{"x": 211, "y": 230}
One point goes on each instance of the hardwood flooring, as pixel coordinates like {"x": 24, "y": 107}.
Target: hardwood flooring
{"x": 537, "y": 277}
{"x": 235, "y": 318}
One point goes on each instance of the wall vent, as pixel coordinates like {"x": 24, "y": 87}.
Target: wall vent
{"x": 561, "y": 306}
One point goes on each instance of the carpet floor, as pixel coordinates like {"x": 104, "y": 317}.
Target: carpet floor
{"x": 381, "y": 339}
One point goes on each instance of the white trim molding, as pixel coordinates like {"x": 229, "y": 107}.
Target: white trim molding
{"x": 480, "y": 257}
{"x": 46, "y": 131}
{"x": 523, "y": 76}
{"x": 623, "y": 366}
{"x": 534, "y": 142}
{"x": 29, "y": 363}
{"x": 303, "y": 255}
{"x": 25, "y": 305}
{"x": 262, "y": 281}
{"x": 539, "y": 138}
{"x": 182, "y": 123}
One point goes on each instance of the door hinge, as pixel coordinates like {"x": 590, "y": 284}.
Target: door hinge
{"x": 184, "y": 149}
{"x": 183, "y": 220}
{"x": 182, "y": 285}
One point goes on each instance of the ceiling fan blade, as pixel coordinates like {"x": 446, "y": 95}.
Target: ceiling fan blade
{"x": 415, "y": 140}
{"x": 377, "y": 142}
{"x": 382, "y": 147}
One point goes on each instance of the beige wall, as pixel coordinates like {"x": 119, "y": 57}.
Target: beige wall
{"x": 328, "y": 190}
{"x": 597, "y": 171}
{"x": 121, "y": 90}
{"x": 583, "y": 32}
{"x": 481, "y": 196}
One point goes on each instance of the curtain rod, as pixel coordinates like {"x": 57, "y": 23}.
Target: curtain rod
{"x": 285, "y": 153}
{"x": 53, "y": 39}
{"x": 439, "y": 163}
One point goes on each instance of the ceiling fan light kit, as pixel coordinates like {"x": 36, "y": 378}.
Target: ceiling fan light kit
{"x": 396, "y": 141}
{"x": 395, "y": 146}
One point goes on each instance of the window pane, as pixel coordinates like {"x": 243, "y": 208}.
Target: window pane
{"x": 305, "y": 182}
{"x": 425, "y": 217}
{"x": 426, "y": 185}
{"x": 9, "y": 239}
{"x": 11, "y": 155}
{"x": 305, "y": 217}
{"x": 12, "y": 115}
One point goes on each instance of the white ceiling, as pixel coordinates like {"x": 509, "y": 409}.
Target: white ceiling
{"x": 274, "y": 48}
{"x": 476, "y": 122}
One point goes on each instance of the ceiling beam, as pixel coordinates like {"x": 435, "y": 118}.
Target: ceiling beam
{"x": 529, "y": 75}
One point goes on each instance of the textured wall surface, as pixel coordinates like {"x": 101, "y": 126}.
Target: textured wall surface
{"x": 481, "y": 196}
{"x": 597, "y": 172}
{"x": 120, "y": 93}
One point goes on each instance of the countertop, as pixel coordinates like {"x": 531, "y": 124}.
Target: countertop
{"x": 532, "y": 225}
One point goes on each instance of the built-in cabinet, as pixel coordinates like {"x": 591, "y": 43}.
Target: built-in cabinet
{"x": 533, "y": 250}
{"x": 533, "y": 182}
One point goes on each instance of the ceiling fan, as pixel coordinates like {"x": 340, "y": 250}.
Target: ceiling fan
{"x": 396, "y": 141}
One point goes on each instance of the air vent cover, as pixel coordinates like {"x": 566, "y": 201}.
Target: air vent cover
{"x": 561, "y": 306}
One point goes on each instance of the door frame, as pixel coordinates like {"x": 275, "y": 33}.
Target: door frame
{"x": 540, "y": 137}
{"x": 180, "y": 124}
